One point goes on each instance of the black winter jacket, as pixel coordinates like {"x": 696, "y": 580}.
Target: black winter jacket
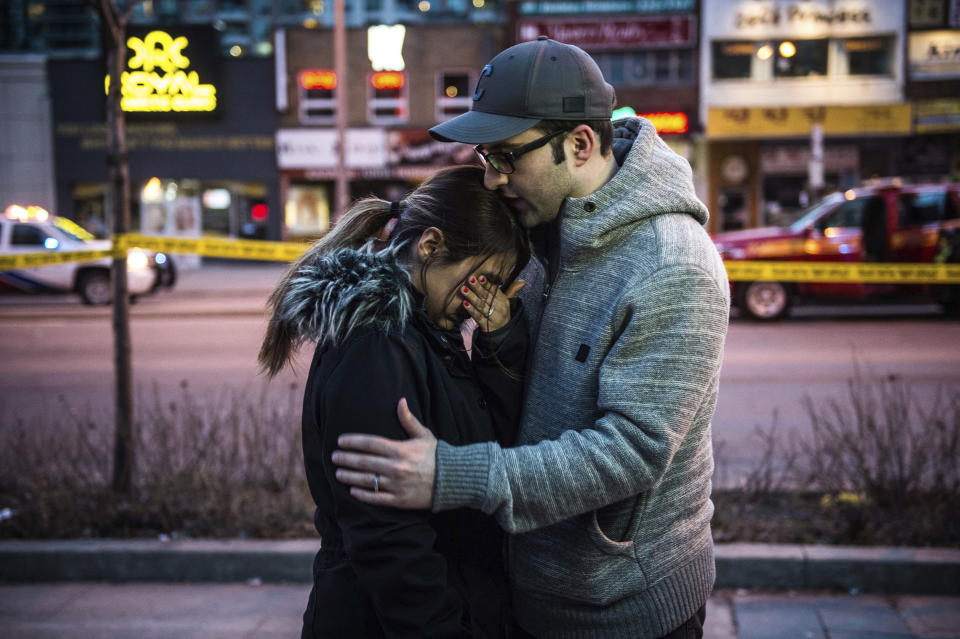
{"x": 383, "y": 572}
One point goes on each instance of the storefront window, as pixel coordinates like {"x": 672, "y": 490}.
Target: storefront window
{"x": 869, "y": 56}
{"x": 90, "y": 208}
{"x": 801, "y": 58}
{"x": 732, "y": 60}
{"x": 307, "y": 210}
{"x": 642, "y": 68}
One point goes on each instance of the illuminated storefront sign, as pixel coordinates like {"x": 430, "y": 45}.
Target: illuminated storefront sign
{"x": 934, "y": 54}
{"x": 161, "y": 78}
{"x": 387, "y": 80}
{"x": 677, "y": 30}
{"x": 315, "y": 148}
{"x": 801, "y": 18}
{"x": 672, "y": 122}
{"x": 574, "y": 7}
{"x": 937, "y": 116}
{"x": 772, "y": 122}
{"x": 315, "y": 79}
{"x": 385, "y": 47}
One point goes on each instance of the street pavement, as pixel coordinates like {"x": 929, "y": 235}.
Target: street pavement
{"x": 254, "y": 610}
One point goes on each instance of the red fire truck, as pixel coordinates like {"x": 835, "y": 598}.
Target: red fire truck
{"x": 885, "y": 222}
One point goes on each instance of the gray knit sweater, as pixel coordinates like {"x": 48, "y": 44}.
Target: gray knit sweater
{"x": 608, "y": 491}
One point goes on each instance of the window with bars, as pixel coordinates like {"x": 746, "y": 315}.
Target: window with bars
{"x": 387, "y": 98}
{"x": 318, "y": 96}
{"x": 453, "y": 94}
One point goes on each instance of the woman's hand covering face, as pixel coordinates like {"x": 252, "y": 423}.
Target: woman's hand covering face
{"x": 486, "y": 303}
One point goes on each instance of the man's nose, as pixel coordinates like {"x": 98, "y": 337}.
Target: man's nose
{"x": 492, "y": 178}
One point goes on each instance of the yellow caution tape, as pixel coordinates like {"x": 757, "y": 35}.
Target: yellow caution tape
{"x": 29, "y": 260}
{"x": 843, "y": 272}
{"x": 737, "y": 270}
{"x": 215, "y": 247}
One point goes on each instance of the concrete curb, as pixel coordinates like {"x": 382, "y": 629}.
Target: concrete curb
{"x": 888, "y": 570}
{"x": 918, "y": 571}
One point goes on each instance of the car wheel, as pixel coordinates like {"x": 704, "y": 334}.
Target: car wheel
{"x": 95, "y": 288}
{"x": 764, "y": 301}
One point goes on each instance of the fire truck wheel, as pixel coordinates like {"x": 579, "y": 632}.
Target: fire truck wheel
{"x": 94, "y": 287}
{"x": 764, "y": 301}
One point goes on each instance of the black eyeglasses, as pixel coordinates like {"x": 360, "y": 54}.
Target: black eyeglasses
{"x": 504, "y": 162}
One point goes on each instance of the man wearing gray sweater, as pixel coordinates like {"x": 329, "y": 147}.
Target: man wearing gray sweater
{"x": 607, "y": 492}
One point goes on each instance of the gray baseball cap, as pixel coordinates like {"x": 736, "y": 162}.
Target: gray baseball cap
{"x": 538, "y": 80}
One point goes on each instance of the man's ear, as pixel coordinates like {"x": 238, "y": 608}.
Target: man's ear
{"x": 431, "y": 241}
{"x": 585, "y": 143}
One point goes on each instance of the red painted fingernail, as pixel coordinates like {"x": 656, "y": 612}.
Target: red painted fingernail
{"x": 482, "y": 279}
{"x": 473, "y": 280}
{"x": 466, "y": 303}
{"x": 465, "y": 289}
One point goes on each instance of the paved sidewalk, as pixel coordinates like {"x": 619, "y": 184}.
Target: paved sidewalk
{"x": 148, "y": 611}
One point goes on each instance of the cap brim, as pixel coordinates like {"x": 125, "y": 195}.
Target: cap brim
{"x": 477, "y": 127}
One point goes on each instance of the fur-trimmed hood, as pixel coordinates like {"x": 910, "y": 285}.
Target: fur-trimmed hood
{"x": 333, "y": 294}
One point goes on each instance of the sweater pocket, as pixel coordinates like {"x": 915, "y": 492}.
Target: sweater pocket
{"x": 575, "y": 560}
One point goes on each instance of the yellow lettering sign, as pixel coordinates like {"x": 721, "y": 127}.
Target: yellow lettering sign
{"x": 159, "y": 79}
{"x": 761, "y": 122}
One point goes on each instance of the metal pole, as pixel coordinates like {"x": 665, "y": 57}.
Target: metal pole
{"x": 342, "y": 195}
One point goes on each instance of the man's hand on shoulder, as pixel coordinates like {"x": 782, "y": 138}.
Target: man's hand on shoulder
{"x": 385, "y": 472}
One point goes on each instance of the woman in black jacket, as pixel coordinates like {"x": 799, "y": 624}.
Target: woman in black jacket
{"x": 385, "y": 315}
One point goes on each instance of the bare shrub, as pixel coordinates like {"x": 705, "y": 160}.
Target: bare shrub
{"x": 879, "y": 467}
{"x": 764, "y": 503}
{"x": 225, "y": 467}
{"x": 884, "y": 443}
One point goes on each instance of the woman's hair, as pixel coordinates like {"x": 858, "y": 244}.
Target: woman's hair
{"x": 476, "y": 223}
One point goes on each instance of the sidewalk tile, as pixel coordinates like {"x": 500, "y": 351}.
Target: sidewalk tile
{"x": 861, "y": 614}
{"x": 931, "y": 617}
{"x": 776, "y": 617}
{"x": 719, "y": 623}
{"x": 855, "y": 634}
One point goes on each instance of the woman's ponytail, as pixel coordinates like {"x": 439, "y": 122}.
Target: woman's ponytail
{"x": 365, "y": 220}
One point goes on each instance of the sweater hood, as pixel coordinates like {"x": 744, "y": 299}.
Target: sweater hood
{"x": 333, "y": 294}
{"x": 652, "y": 180}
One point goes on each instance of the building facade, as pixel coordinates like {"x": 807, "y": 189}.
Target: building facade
{"x": 799, "y": 97}
{"x": 401, "y": 81}
{"x": 260, "y": 162}
{"x": 200, "y": 138}
{"x": 933, "y": 88}
{"x": 647, "y": 49}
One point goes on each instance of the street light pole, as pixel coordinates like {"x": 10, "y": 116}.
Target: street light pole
{"x": 342, "y": 195}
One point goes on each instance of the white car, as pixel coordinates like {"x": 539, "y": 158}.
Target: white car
{"x": 34, "y": 230}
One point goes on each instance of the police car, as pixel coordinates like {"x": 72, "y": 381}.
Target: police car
{"x": 33, "y": 230}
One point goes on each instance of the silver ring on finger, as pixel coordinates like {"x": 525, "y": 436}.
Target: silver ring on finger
{"x": 489, "y": 311}
{"x": 376, "y": 483}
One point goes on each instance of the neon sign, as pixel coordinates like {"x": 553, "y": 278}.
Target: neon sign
{"x": 675, "y": 122}
{"x": 318, "y": 79}
{"x": 159, "y": 79}
{"x": 388, "y": 80}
